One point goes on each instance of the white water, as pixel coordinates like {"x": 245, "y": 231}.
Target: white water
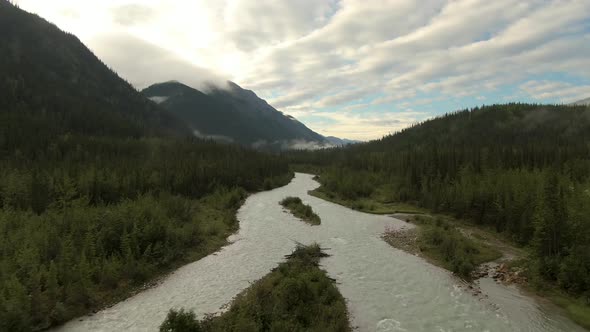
{"x": 386, "y": 289}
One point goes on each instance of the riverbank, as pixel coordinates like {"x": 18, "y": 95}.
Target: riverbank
{"x": 384, "y": 288}
{"x": 442, "y": 243}
{"x": 295, "y": 296}
{"x": 512, "y": 262}
{"x": 216, "y": 222}
{"x": 368, "y": 205}
{"x": 201, "y": 227}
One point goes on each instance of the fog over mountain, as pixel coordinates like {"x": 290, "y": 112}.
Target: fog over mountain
{"x": 582, "y": 102}
{"x": 172, "y": 208}
{"x": 230, "y": 113}
{"x": 347, "y": 68}
{"x": 340, "y": 141}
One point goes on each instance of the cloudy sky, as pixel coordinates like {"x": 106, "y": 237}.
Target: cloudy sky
{"x": 349, "y": 68}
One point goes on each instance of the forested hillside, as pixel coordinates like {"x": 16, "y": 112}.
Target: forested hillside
{"x": 99, "y": 191}
{"x": 51, "y": 83}
{"x": 521, "y": 169}
{"x": 93, "y": 217}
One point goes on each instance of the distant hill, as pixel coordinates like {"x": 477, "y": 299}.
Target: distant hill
{"x": 498, "y": 127}
{"x": 232, "y": 114}
{"x": 51, "y": 84}
{"x": 520, "y": 169}
{"x": 582, "y": 102}
{"x": 340, "y": 141}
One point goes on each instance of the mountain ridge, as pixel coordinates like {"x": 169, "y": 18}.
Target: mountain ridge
{"x": 93, "y": 176}
{"x": 49, "y": 73}
{"x": 582, "y": 102}
{"x": 336, "y": 141}
{"x": 233, "y": 113}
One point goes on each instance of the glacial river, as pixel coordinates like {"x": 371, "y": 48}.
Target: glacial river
{"x": 386, "y": 289}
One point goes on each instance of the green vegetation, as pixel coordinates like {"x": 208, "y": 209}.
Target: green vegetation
{"x": 296, "y": 296}
{"x": 368, "y": 205}
{"x": 300, "y": 210}
{"x": 444, "y": 244}
{"x": 99, "y": 192}
{"x": 522, "y": 170}
{"x": 93, "y": 219}
{"x": 52, "y": 84}
{"x": 436, "y": 238}
{"x": 576, "y": 309}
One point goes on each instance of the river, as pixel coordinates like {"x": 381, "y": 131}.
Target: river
{"x": 386, "y": 289}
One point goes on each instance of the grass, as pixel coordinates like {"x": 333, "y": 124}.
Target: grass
{"x": 296, "y": 296}
{"x": 437, "y": 239}
{"x": 575, "y": 309}
{"x": 441, "y": 241}
{"x": 301, "y": 211}
{"x": 373, "y": 205}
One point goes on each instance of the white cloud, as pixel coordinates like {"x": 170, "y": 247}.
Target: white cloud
{"x": 365, "y": 126}
{"x": 254, "y": 24}
{"x": 145, "y": 63}
{"x": 561, "y": 91}
{"x": 305, "y": 55}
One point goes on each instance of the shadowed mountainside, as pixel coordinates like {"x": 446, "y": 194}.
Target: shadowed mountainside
{"x": 52, "y": 84}
{"x": 232, "y": 114}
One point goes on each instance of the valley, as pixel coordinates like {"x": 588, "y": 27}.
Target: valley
{"x": 384, "y": 288}
{"x": 176, "y": 200}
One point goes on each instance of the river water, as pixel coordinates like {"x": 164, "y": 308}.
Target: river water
{"x": 386, "y": 289}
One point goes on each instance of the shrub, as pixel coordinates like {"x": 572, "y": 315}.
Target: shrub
{"x": 300, "y": 210}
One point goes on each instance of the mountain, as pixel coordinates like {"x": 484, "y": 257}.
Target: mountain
{"x": 232, "y": 114}
{"x": 52, "y": 84}
{"x": 582, "y": 102}
{"x": 340, "y": 141}
{"x": 100, "y": 192}
{"x": 501, "y": 126}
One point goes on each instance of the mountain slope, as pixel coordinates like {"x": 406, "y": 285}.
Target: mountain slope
{"x": 231, "y": 113}
{"x": 340, "y": 141}
{"x": 52, "y": 84}
{"x": 582, "y": 102}
{"x": 97, "y": 194}
{"x": 499, "y": 126}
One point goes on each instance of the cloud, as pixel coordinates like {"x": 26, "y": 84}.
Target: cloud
{"x": 304, "y": 145}
{"x": 145, "y": 64}
{"x": 346, "y": 96}
{"x": 561, "y": 91}
{"x": 253, "y": 24}
{"x": 361, "y": 60}
{"x": 132, "y": 14}
{"x": 293, "y": 98}
{"x": 460, "y": 48}
{"x": 365, "y": 126}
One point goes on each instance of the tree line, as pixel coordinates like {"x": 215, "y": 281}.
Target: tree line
{"x": 523, "y": 170}
{"x": 101, "y": 190}
{"x": 89, "y": 218}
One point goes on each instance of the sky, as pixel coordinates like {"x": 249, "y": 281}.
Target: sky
{"x": 356, "y": 69}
